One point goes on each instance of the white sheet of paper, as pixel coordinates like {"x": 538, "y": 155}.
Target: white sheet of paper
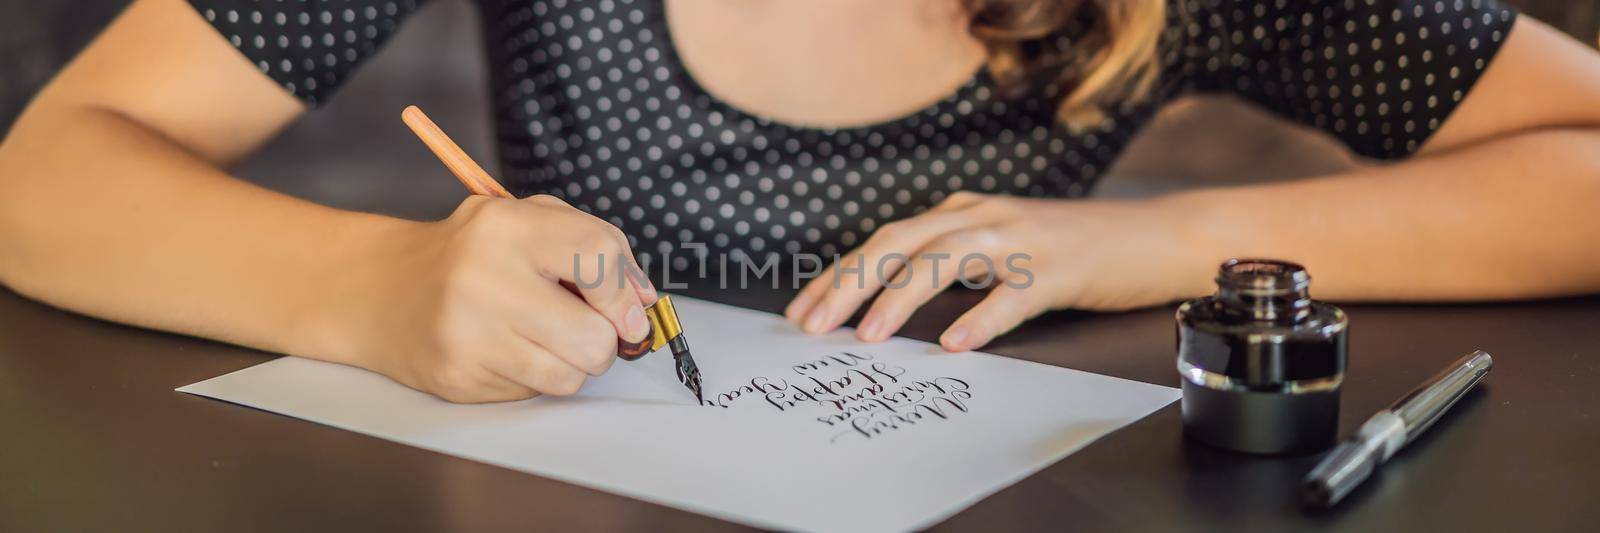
{"x": 891, "y": 436}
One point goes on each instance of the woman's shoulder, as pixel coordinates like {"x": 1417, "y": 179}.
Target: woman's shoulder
{"x": 309, "y": 48}
{"x": 1379, "y": 75}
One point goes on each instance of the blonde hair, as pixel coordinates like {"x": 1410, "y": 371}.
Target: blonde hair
{"x": 1113, "y": 61}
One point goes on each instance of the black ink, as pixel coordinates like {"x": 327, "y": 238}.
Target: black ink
{"x": 868, "y": 400}
{"x": 849, "y": 359}
{"x": 757, "y": 384}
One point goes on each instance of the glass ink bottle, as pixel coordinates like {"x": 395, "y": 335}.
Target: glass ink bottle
{"x": 1261, "y": 362}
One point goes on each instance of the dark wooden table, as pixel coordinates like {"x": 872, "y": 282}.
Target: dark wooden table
{"x": 94, "y": 438}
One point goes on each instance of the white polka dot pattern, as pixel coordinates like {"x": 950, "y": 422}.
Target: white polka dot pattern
{"x": 309, "y": 47}
{"x": 593, "y": 105}
{"x": 1380, "y": 75}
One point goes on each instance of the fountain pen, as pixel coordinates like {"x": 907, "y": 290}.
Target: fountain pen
{"x": 1385, "y": 433}
{"x": 665, "y": 330}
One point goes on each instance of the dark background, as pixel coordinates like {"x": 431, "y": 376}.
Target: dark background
{"x": 354, "y": 153}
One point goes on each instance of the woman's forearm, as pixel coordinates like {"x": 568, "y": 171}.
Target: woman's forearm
{"x": 101, "y": 215}
{"x": 1513, "y": 217}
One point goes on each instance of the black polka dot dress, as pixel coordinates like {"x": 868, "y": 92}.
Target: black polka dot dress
{"x": 593, "y": 105}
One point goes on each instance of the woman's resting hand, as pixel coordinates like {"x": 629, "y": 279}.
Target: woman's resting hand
{"x": 1033, "y": 254}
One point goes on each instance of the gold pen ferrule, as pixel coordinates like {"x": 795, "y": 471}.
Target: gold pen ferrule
{"x": 663, "y": 321}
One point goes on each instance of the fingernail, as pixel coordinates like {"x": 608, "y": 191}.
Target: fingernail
{"x": 638, "y": 326}
{"x": 955, "y": 340}
{"x": 869, "y": 329}
{"x": 817, "y": 321}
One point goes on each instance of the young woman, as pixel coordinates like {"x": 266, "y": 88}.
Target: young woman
{"x": 757, "y": 127}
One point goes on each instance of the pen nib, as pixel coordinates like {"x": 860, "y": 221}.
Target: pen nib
{"x": 688, "y": 373}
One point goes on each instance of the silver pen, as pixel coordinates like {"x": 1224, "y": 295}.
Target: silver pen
{"x": 1391, "y": 429}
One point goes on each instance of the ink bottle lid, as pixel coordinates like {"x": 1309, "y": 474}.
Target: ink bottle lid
{"x": 1261, "y": 362}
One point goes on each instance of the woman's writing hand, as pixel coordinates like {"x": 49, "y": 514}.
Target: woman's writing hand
{"x": 487, "y": 305}
{"x": 1036, "y": 254}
